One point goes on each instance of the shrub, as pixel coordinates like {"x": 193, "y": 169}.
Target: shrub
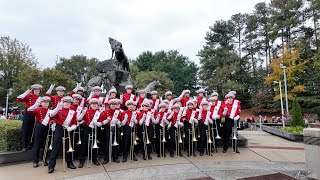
{"x": 295, "y": 130}
{"x": 10, "y": 135}
{"x": 297, "y": 119}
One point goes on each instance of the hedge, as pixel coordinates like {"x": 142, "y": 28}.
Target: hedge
{"x": 10, "y": 135}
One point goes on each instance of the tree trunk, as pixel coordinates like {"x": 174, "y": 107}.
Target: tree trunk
{"x": 239, "y": 44}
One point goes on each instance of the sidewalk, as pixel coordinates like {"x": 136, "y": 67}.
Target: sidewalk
{"x": 266, "y": 154}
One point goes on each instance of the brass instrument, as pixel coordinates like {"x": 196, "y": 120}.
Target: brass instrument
{"x": 209, "y": 141}
{"x": 163, "y": 133}
{"x": 64, "y": 150}
{"x": 46, "y": 147}
{"x": 92, "y": 140}
{"x": 115, "y": 143}
{"x": 70, "y": 145}
{"x": 34, "y": 127}
{"x": 217, "y": 137}
{"x": 234, "y": 137}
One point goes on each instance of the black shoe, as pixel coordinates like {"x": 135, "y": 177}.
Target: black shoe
{"x": 135, "y": 158}
{"x": 237, "y": 151}
{"x": 71, "y": 166}
{"x": 144, "y": 157}
{"x": 124, "y": 160}
{"x": 158, "y": 155}
{"x": 171, "y": 155}
{"x": 116, "y": 160}
{"x": 149, "y": 157}
{"x": 81, "y": 165}
{"x": 50, "y": 170}
{"x": 188, "y": 155}
{"x": 224, "y": 151}
{"x": 24, "y": 149}
{"x": 45, "y": 163}
{"x": 194, "y": 155}
{"x": 35, "y": 165}
{"x": 96, "y": 163}
{"x": 180, "y": 154}
{"x": 201, "y": 154}
{"x": 105, "y": 161}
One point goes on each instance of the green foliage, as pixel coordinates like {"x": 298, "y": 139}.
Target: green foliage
{"x": 295, "y": 130}
{"x": 10, "y": 135}
{"x": 78, "y": 67}
{"x": 144, "y": 78}
{"x": 263, "y": 103}
{"x": 297, "y": 119}
{"x": 181, "y": 71}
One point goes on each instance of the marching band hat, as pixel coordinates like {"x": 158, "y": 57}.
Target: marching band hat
{"x": 113, "y": 101}
{"x": 145, "y": 103}
{"x": 77, "y": 96}
{"x": 214, "y": 94}
{"x": 94, "y": 101}
{"x": 130, "y": 102}
{"x": 187, "y": 91}
{"x": 204, "y": 103}
{"x": 142, "y": 91}
{"x": 166, "y": 101}
{"x": 189, "y": 102}
{"x": 175, "y": 106}
{"x": 45, "y": 98}
{"x": 168, "y": 93}
{"x": 118, "y": 101}
{"x": 112, "y": 91}
{"x": 163, "y": 105}
{"x": 129, "y": 87}
{"x": 67, "y": 99}
{"x": 231, "y": 94}
{"x": 96, "y": 88}
{"x": 36, "y": 86}
{"x": 211, "y": 98}
{"x": 154, "y": 92}
{"x": 60, "y": 88}
{"x": 81, "y": 89}
{"x": 200, "y": 91}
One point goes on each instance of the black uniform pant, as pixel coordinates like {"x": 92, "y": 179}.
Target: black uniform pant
{"x": 107, "y": 144}
{"x": 27, "y": 128}
{"x": 203, "y": 137}
{"x": 84, "y": 144}
{"x": 173, "y": 139}
{"x": 40, "y": 134}
{"x": 149, "y": 134}
{"x": 159, "y": 140}
{"x": 188, "y": 137}
{"x": 227, "y": 130}
{"x": 127, "y": 131}
{"x": 57, "y": 142}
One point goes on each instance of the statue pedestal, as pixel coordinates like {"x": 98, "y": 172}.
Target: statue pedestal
{"x": 312, "y": 151}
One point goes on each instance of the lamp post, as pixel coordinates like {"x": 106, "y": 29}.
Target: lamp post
{"x": 9, "y": 93}
{"x": 285, "y": 88}
{"x": 279, "y": 82}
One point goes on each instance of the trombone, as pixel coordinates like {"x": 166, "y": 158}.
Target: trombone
{"x": 64, "y": 148}
{"x": 178, "y": 140}
{"x": 163, "y": 133}
{"x": 47, "y": 147}
{"x": 209, "y": 141}
{"x": 133, "y": 141}
{"x": 234, "y": 137}
{"x": 145, "y": 139}
{"x": 94, "y": 145}
{"x": 114, "y": 143}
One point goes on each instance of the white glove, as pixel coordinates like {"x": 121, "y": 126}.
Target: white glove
{"x": 113, "y": 121}
{"x": 210, "y": 121}
{"x": 236, "y": 118}
{"x": 124, "y": 120}
{"x": 71, "y": 128}
{"x": 169, "y": 126}
{"x": 53, "y": 127}
{"x": 24, "y": 94}
{"x": 106, "y": 121}
{"x": 90, "y": 96}
{"x": 215, "y": 117}
{"x": 176, "y": 124}
{"x": 180, "y": 124}
{"x": 50, "y": 89}
{"x": 80, "y": 116}
{"x": 225, "y": 111}
{"x": 60, "y": 105}
{"x": 99, "y": 124}
{"x": 81, "y": 122}
{"x": 195, "y": 120}
{"x": 77, "y": 87}
{"x": 118, "y": 123}
{"x": 35, "y": 105}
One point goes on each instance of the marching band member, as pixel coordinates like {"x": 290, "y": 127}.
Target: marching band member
{"x": 200, "y": 98}
{"x": 155, "y": 101}
{"x": 204, "y": 118}
{"x": 91, "y": 118}
{"x": 185, "y": 97}
{"x": 174, "y": 121}
{"x": 95, "y": 93}
{"x": 55, "y": 99}
{"x": 29, "y": 98}
{"x": 77, "y": 103}
{"x": 214, "y": 107}
{"x": 230, "y": 109}
{"x": 127, "y": 96}
{"x": 110, "y": 118}
{"x": 141, "y": 98}
{"x": 189, "y": 117}
{"x": 112, "y": 94}
{"x": 65, "y": 119}
{"x": 168, "y": 97}
{"x": 160, "y": 121}
{"x": 145, "y": 118}
{"x": 128, "y": 121}
{"x": 79, "y": 90}
{"x": 41, "y": 129}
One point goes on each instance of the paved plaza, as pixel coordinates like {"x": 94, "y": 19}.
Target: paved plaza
{"x": 265, "y": 154}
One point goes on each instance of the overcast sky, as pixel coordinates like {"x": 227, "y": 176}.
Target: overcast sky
{"x": 71, "y": 27}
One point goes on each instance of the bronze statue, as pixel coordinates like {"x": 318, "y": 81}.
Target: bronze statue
{"x": 118, "y": 51}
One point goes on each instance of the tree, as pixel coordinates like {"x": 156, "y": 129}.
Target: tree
{"x": 314, "y": 11}
{"x": 239, "y": 21}
{"x": 15, "y": 56}
{"x": 297, "y": 119}
{"x": 144, "y": 78}
{"x": 78, "y": 67}
{"x": 294, "y": 66}
{"x": 181, "y": 71}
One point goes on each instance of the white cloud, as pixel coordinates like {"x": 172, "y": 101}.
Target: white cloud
{"x": 72, "y": 27}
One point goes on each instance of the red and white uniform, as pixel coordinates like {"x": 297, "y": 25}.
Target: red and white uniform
{"x": 200, "y": 100}
{"x": 155, "y": 103}
{"x": 234, "y": 109}
{"x": 173, "y": 118}
{"x": 160, "y": 116}
{"x": 149, "y": 117}
{"x": 125, "y": 97}
{"x": 54, "y": 100}
{"x": 202, "y": 116}
{"x": 110, "y": 113}
{"x": 85, "y": 101}
{"x": 106, "y": 100}
{"x": 139, "y": 101}
{"x": 215, "y": 109}
{"x": 184, "y": 101}
{"x": 188, "y": 114}
{"x": 29, "y": 100}
{"x": 91, "y": 116}
{"x": 130, "y": 115}
{"x": 66, "y": 117}
{"x": 97, "y": 97}
{"x": 42, "y": 115}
